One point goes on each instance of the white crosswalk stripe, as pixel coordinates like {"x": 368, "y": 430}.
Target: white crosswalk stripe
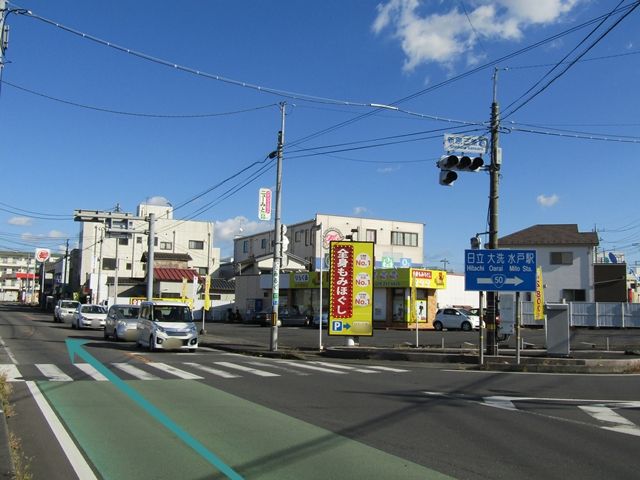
{"x": 11, "y": 372}
{"x": 188, "y": 370}
{"x": 91, "y": 371}
{"x": 174, "y": 371}
{"x": 53, "y": 373}
{"x": 242, "y": 368}
{"x": 135, "y": 371}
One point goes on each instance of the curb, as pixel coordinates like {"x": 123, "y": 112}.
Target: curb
{"x": 6, "y": 463}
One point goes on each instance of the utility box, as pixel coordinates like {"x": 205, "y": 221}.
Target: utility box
{"x": 557, "y": 329}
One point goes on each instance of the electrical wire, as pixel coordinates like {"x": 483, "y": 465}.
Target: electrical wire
{"x": 591, "y": 59}
{"x": 602, "y": 138}
{"x": 136, "y": 114}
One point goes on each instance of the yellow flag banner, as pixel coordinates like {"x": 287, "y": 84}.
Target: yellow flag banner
{"x": 183, "y": 295}
{"x": 538, "y": 302}
{"x": 207, "y": 287}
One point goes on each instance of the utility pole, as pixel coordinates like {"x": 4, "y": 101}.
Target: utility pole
{"x": 4, "y": 34}
{"x": 65, "y": 270}
{"x": 277, "y": 250}
{"x": 494, "y": 173}
{"x": 150, "y": 255}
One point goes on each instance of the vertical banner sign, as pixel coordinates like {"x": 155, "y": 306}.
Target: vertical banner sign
{"x": 183, "y": 295}
{"x": 194, "y": 289}
{"x": 264, "y": 204}
{"x": 538, "y": 303}
{"x": 207, "y": 298}
{"x": 351, "y": 288}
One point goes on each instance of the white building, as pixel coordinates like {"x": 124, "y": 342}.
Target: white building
{"x": 397, "y": 244}
{"x": 177, "y": 243}
{"x": 566, "y": 256}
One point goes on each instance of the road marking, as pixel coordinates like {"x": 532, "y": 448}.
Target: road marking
{"x": 91, "y": 371}
{"x": 77, "y": 461}
{"x": 53, "y": 373}
{"x": 504, "y": 403}
{"x": 255, "y": 371}
{"x": 135, "y": 371}
{"x": 279, "y": 367}
{"x": 212, "y": 371}
{"x": 175, "y": 371}
{"x": 11, "y": 372}
{"x": 312, "y": 367}
{"x": 617, "y": 422}
{"x": 9, "y": 352}
{"x": 489, "y": 372}
{"x": 344, "y": 367}
{"x": 387, "y": 369}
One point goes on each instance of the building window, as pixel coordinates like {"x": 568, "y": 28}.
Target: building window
{"x": 166, "y": 245}
{"x": 371, "y": 236}
{"x": 298, "y": 236}
{"x": 245, "y": 246}
{"x": 404, "y": 238}
{"x": 123, "y": 241}
{"x": 571, "y": 295}
{"x": 561, "y": 258}
{"x": 155, "y": 241}
{"x": 202, "y": 270}
{"x": 108, "y": 263}
{"x": 196, "y": 244}
{"x": 138, "y": 239}
{"x": 128, "y": 266}
{"x": 306, "y": 237}
{"x": 263, "y": 243}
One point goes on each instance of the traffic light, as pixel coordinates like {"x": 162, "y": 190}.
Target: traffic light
{"x": 449, "y": 164}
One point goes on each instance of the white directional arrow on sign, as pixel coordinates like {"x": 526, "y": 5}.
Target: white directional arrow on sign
{"x": 507, "y": 281}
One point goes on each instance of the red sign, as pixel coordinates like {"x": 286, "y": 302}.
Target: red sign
{"x": 42, "y": 254}
{"x": 342, "y": 281}
{"x": 426, "y": 274}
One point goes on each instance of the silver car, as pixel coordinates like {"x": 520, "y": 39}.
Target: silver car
{"x": 456, "y": 318}
{"x": 64, "y": 310}
{"x": 166, "y": 326}
{"x": 121, "y": 322}
{"x": 89, "y": 316}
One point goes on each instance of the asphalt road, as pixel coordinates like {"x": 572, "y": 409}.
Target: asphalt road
{"x": 274, "y": 418}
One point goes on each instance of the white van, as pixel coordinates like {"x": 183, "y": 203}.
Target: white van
{"x": 166, "y": 326}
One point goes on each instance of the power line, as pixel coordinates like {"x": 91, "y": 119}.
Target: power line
{"x": 601, "y": 138}
{"x": 136, "y": 114}
{"x": 592, "y": 59}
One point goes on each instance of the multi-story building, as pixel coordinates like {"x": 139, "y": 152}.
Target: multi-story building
{"x": 398, "y": 249}
{"x": 20, "y": 277}
{"x": 103, "y": 253}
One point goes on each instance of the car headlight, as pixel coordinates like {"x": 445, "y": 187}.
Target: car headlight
{"x": 192, "y": 329}
{"x": 159, "y": 328}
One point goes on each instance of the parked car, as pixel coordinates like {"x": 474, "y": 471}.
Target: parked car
{"x": 89, "y": 316}
{"x": 166, "y": 326}
{"x": 287, "y": 317}
{"x": 314, "y": 319}
{"x": 64, "y": 310}
{"x": 122, "y": 322}
{"x": 455, "y": 318}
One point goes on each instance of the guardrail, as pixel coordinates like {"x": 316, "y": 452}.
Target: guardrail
{"x": 600, "y": 314}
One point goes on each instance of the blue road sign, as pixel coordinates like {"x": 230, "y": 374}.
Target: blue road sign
{"x": 500, "y": 270}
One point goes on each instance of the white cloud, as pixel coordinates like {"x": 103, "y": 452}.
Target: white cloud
{"x": 360, "y": 210}
{"x": 158, "y": 200}
{"x": 445, "y": 36}
{"x": 389, "y": 169}
{"x": 226, "y": 230}
{"x": 547, "y": 200}
{"x": 21, "y": 221}
{"x": 57, "y": 234}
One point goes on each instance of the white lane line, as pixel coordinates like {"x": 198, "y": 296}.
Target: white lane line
{"x": 77, "y": 461}
{"x": 344, "y": 367}
{"x": 212, "y": 371}
{"x": 497, "y": 401}
{"x": 11, "y": 372}
{"x": 614, "y": 421}
{"x": 242, "y": 368}
{"x": 490, "y": 372}
{"x": 387, "y": 369}
{"x": 164, "y": 367}
{"x": 312, "y": 367}
{"x": 53, "y": 373}
{"x": 9, "y": 352}
{"x": 91, "y": 371}
{"x": 135, "y": 371}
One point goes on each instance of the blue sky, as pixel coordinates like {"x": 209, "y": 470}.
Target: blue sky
{"x": 60, "y": 156}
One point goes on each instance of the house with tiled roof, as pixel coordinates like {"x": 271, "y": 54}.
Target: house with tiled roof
{"x": 566, "y": 255}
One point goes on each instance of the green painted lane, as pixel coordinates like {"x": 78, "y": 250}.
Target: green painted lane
{"x": 123, "y": 441}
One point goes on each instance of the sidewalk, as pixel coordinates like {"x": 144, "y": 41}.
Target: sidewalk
{"x": 579, "y": 361}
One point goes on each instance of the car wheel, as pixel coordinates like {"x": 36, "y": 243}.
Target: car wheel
{"x": 115, "y": 335}
{"x": 151, "y": 344}
{"x": 437, "y": 325}
{"x": 466, "y": 326}
{"x": 55, "y": 319}
{"x": 105, "y": 334}
{"x": 73, "y": 324}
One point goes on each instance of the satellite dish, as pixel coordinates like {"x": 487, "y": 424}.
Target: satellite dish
{"x": 613, "y": 258}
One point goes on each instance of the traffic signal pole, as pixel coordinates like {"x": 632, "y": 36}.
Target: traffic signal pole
{"x": 494, "y": 179}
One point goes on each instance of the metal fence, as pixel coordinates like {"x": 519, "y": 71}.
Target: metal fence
{"x": 601, "y": 314}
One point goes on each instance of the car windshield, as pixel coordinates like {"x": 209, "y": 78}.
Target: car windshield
{"x": 92, "y": 309}
{"x": 128, "y": 312}
{"x": 465, "y": 312}
{"x": 69, "y": 304}
{"x": 172, "y": 313}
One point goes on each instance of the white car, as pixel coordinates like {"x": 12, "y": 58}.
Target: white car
{"x": 122, "y": 322}
{"x": 166, "y": 326}
{"x": 89, "y": 316}
{"x": 64, "y": 310}
{"x": 456, "y": 318}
